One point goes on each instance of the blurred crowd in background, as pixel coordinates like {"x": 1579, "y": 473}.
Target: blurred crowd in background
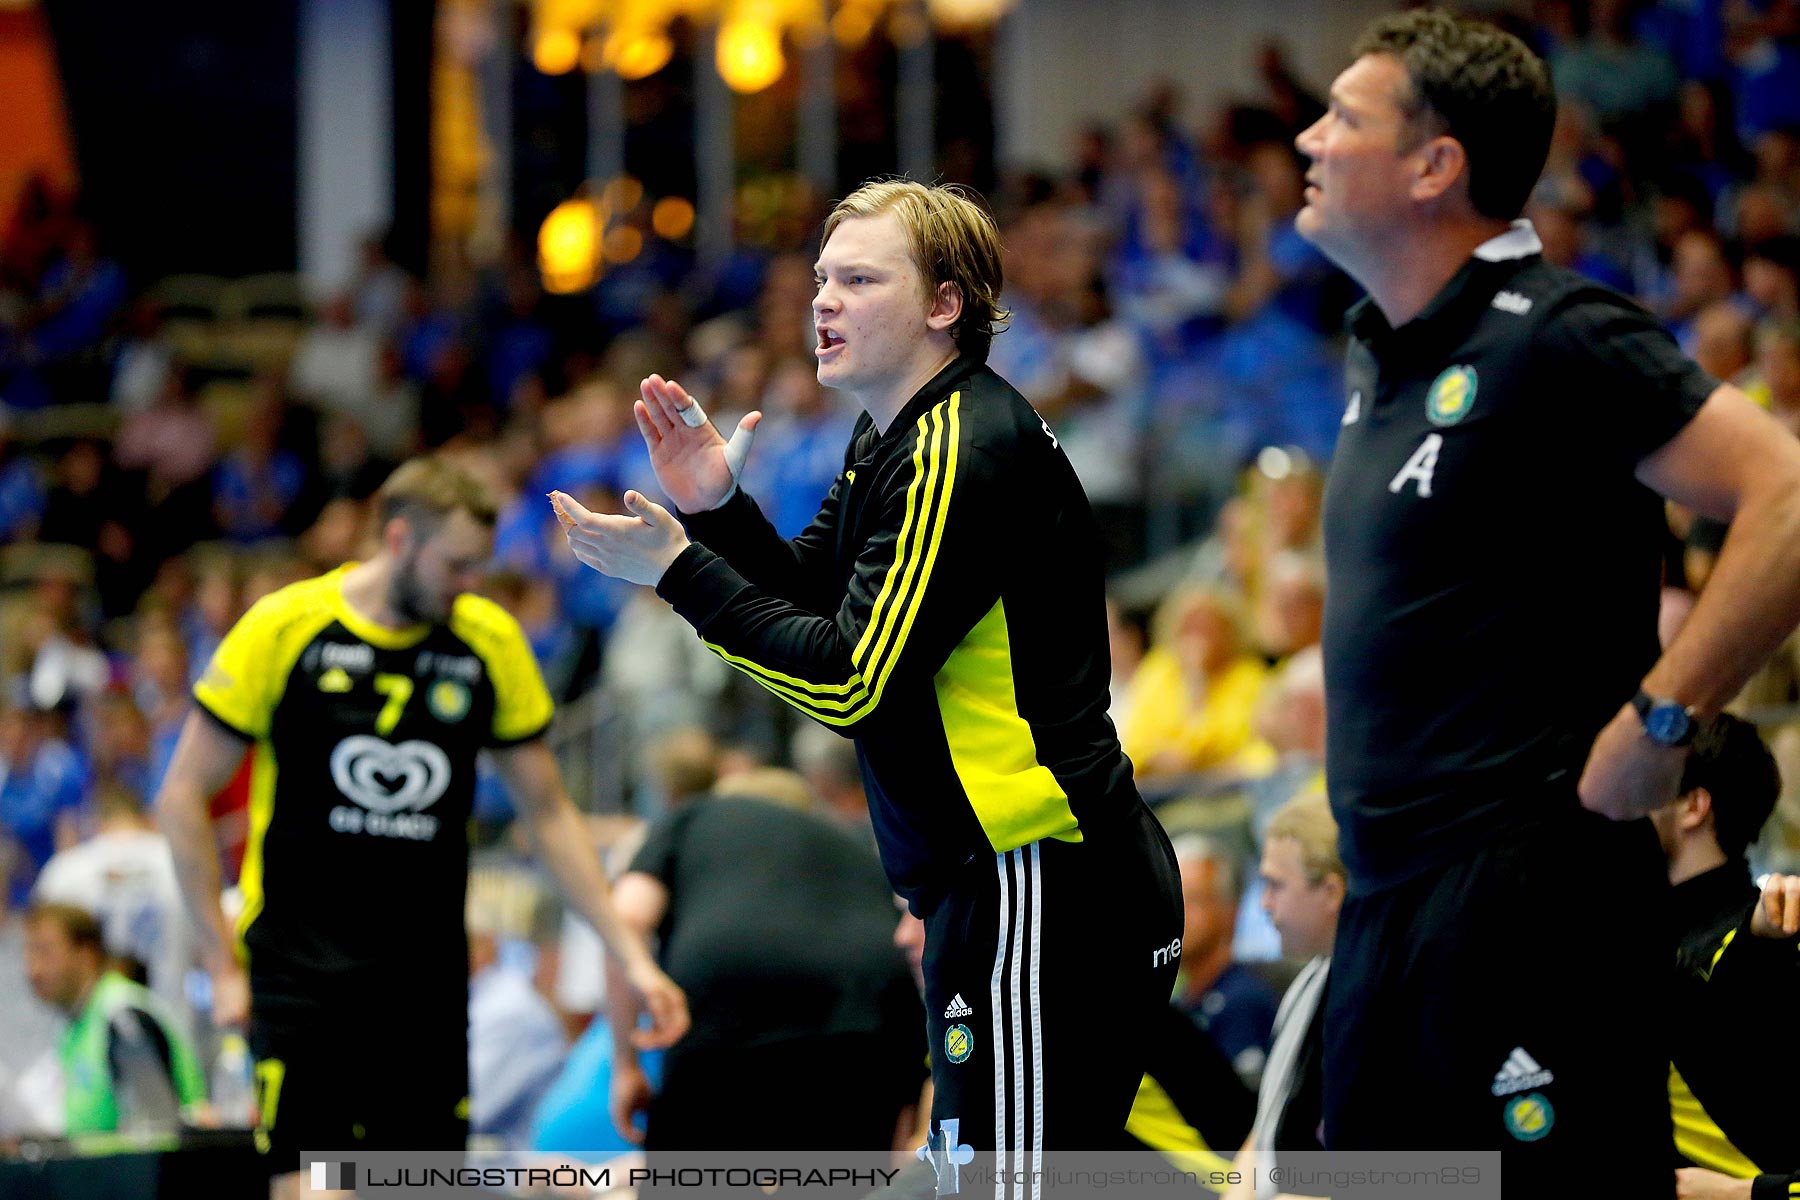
{"x": 171, "y": 450}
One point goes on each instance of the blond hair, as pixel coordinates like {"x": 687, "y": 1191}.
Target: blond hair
{"x": 1307, "y": 819}
{"x": 953, "y": 240}
{"x": 777, "y": 785}
{"x": 1181, "y": 604}
{"x": 427, "y": 490}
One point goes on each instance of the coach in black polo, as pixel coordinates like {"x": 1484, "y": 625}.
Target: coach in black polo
{"x": 1499, "y": 710}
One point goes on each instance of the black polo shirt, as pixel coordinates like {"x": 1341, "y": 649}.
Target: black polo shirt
{"x": 1493, "y": 561}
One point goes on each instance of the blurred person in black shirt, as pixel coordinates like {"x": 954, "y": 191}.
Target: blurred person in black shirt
{"x": 807, "y": 1030}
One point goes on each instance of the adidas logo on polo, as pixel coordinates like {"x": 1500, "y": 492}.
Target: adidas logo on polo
{"x": 1520, "y": 1073}
{"x": 958, "y": 1008}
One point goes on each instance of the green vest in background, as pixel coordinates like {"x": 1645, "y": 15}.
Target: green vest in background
{"x": 91, "y": 1103}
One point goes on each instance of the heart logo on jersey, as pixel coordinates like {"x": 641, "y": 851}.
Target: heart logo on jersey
{"x": 382, "y": 777}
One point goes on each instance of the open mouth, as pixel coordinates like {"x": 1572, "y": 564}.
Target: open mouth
{"x": 828, "y": 341}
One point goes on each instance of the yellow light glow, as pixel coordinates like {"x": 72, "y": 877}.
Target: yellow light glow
{"x": 568, "y": 246}
{"x": 851, "y": 26}
{"x": 639, "y": 55}
{"x": 596, "y": 55}
{"x": 623, "y": 243}
{"x": 621, "y": 195}
{"x": 556, "y": 51}
{"x": 749, "y": 55}
{"x": 967, "y": 14}
{"x": 672, "y": 218}
{"x": 908, "y": 28}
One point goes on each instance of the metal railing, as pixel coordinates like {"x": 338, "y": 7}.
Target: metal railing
{"x": 591, "y": 738}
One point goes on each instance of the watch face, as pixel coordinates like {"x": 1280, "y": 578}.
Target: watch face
{"x": 1667, "y": 723}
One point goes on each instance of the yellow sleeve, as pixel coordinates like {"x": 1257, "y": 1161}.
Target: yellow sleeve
{"x": 249, "y": 670}
{"x": 522, "y": 706}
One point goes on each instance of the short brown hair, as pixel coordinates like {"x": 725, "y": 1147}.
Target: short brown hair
{"x": 953, "y": 240}
{"x": 1307, "y": 819}
{"x": 78, "y": 924}
{"x": 1480, "y": 85}
{"x": 777, "y": 785}
{"x": 427, "y": 490}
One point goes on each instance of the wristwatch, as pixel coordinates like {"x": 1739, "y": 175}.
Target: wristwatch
{"x": 1666, "y": 722}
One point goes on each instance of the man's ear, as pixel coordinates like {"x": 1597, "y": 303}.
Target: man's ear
{"x": 1693, "y": 810}
{"x": 1442, "y": 163}
{"x": 395, "y": 535}
{"x": 946, "y": 307}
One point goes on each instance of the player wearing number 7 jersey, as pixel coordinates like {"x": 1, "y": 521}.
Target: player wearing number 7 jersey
{"x": 367, "y": 694}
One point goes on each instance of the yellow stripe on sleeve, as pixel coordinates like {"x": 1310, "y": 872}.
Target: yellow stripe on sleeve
{"x": 948, "y": 446}
{"x": 1699, "y": 1137}
{"x": 903, "y": 588}
{"x": 1158, "y": 1123}
{"x": 1712, "y": 966}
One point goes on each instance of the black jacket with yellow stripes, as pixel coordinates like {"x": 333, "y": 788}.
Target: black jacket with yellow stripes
{"x": 1735, "y": 1057}
{"x": 945, "y": 609}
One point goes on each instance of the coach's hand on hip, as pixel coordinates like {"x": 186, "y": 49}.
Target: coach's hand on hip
{"x": 1627, "y": 774}
{"x": 637, "y": 546}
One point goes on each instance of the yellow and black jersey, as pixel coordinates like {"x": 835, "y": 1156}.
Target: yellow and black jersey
{"x": 362, "y": 780}
{"x": 945, "y": 608}
{"x": 1729, "y": 1077}
{"x": 1191, "y": 1106}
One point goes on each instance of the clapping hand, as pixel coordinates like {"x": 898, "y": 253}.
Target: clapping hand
{"x": 637, "y": 546}
{"x": 695, "y": 466}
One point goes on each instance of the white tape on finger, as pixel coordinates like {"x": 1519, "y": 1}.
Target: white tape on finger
{"x": 693, "y": 416}
{"x": 737, "y": 450}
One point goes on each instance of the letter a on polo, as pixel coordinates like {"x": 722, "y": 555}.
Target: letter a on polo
{"x": 1420, "y": 466}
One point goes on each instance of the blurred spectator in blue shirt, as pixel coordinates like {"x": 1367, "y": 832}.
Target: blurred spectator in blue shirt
{"x": 1232, "y": 1006}
{"x": 799, "y": 446}
{"x": 22, "y": 495}
{"x": 257, "y": 484}
{"x": 43, "y": 784}
{"x": 159, "y": 686}
{"x": 1609, "y": 68}
{"x": 520, "y": 344}
{"x": 77, "y": 299}
{"x": 516, "y": 1040}
{"x": 1172, "y": 273}
{"x": 1565, "y": 244}
{"x": 1701, "y": 275}
{"x": 1765, "y": 67}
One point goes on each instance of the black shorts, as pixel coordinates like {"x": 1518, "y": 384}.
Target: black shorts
{"x": 1045, "y": 969}
{"x": 1513, "y": 1000}
{"x": 343, "y": 1081}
